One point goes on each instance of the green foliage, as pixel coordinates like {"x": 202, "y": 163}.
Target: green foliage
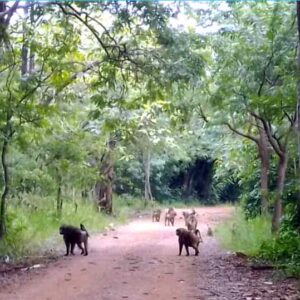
{"x": 283, "y": 251}
{"x": 32, "y": 225}
{"x": 242, "y": 235}
{"x": 253, "y": 237}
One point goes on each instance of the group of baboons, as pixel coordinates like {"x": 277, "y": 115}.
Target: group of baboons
{"x": 187, "y": 237}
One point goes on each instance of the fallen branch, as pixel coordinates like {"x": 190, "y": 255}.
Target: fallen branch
{"x": 262, "y": 267}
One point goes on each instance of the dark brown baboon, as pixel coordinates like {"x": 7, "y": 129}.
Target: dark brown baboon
{"x": 156, "y": 215}
{"x": 73, "y": 235}
{"x": 170, "y": 218}
{"x": 188, "y": 239}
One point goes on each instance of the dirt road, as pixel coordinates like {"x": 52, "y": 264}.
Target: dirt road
{"x": 140, "y": 261}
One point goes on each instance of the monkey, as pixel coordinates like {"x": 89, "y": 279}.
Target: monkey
{"x": 171, "y": 209}
{"x": 170, "y": 218}
{"x": 193, "y": 212}
{"x": 73, "y": 235}
{"x": 191, "y": 222}
{"x": 185, "y": 215}
{"x": 188, "y": 239}
{"x": 156, "y": 215}
{"x": 209, "y": 231}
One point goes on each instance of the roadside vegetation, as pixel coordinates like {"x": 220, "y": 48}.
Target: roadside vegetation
{"x": 108, "y": 108}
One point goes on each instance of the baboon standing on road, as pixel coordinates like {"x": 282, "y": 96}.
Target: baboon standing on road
{"x": 188, "y": 239}
{"x": 73, "y": 235}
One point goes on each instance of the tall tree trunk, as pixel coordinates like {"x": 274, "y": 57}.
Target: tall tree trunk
{"x": 31, "y": 54}
{"x": 5, "y": 20}
{"x": 188, "y": 183}
{"x": 2, "y": 23}
{"x": 104, "y": 187}
{"x": 191, "y": 183}
{"x": 59, "y": 202}
{"x": 25, "y": 51}
{"x": 147, "y": 186}
{"x": 262, "y": 146}
{"x": 185, "y": 186}
{"x": 5, "y": 193}
{"x": 298, "y": 110}
{"x": 281, "y": 171}
{"x": 263, "y": 151}
{"x": 8, "y": 133}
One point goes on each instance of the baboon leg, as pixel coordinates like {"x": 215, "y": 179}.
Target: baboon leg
{"x": 200, "y": 237}
{"x": 187, "y": 250}
{"x": 196, "y": 251}
{"x": 80, "y": 247}
{"x": 67, "y": 248}
{"x": 180, "y": 248}
{"x": 85, "y": 248}
{"x": 72, "y": 248}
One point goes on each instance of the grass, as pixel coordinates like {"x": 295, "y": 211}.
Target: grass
{"x": 33, "y": 230}
{"x": 241, "y": 235}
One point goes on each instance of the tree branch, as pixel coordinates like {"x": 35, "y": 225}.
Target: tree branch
{"x": 264, "y": 74}
{"x": 275, "y": 142}
{"x": 247, "y": 136}
{"x": 92, "y": 30}
{"x": 9, "y": 12}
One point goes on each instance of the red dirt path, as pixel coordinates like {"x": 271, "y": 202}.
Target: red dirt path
{"x": 140, "y": 261}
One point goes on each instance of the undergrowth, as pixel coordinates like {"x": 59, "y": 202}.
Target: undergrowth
{"x": 33, "y": 230}
{"x": 241, "y": 235}
{"x": 253, "y": 237}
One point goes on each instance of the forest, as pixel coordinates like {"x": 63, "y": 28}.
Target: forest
{"x": 113, "y": 106}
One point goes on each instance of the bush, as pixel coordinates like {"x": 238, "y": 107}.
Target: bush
{"x": 253, "y": 237}
{"x": 242, "y": 235}
{"x": 284, "y": 251}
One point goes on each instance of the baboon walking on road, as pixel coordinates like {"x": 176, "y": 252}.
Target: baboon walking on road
{"x": 188, "y": 239}
{"x": 156, "y": 215}
{"x": 75, "y": 236}
{"x": 170, "y": 217}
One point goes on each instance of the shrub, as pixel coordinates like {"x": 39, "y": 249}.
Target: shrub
{"x": 244, "y": 235}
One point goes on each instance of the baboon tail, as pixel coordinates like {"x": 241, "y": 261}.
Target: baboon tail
{"x": 82, "y": 227}
{"x": 197, "y": 232}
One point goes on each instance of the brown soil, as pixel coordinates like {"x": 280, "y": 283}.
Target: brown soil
{"x": 140, "y": 261}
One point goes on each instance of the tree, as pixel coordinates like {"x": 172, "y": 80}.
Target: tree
{"x": 249, "y": 83}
